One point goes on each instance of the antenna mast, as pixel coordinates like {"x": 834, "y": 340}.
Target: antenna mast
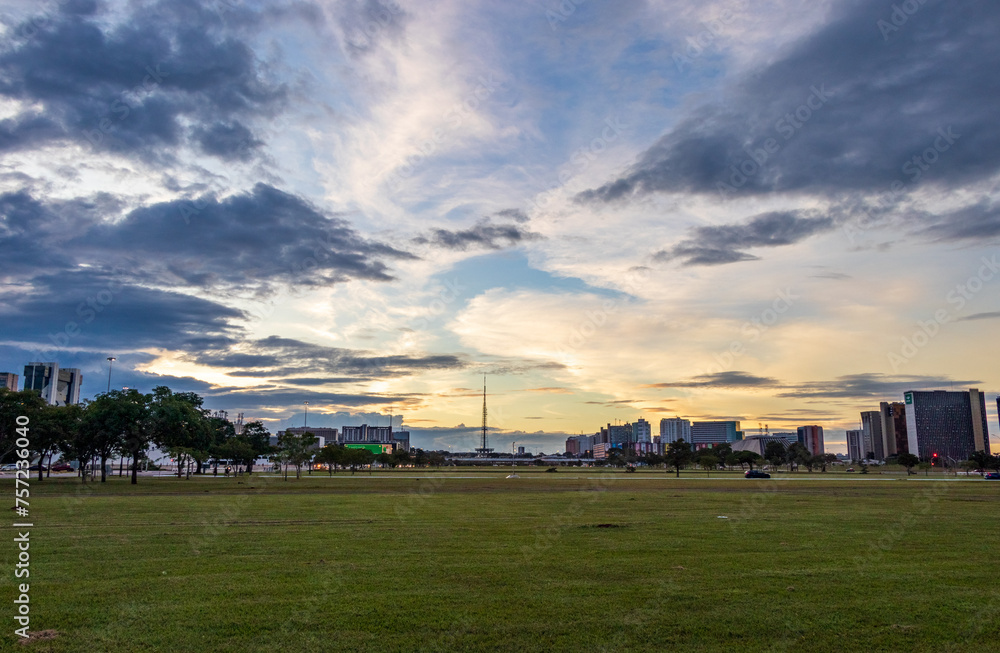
{"x": 484, "y": 449}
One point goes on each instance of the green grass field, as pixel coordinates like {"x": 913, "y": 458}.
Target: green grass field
{"x": 573, "y": 561}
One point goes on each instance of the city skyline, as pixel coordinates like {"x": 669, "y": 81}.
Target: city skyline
{"x": 770, "y": 213}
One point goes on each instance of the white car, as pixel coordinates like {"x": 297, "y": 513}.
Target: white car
{"x": 9, "y": 467}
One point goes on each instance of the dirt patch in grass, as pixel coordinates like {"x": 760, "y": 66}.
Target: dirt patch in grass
{"x": 39, "y": 635}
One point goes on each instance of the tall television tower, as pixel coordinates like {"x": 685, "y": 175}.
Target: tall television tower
{"x": 483, "y": 450}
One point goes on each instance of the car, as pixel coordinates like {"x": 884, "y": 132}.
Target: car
{"x": 9, "y": 467}
{"x": 756, "y": 473}
{"x": 992, "y": 476}
{"x": 62, "y": 467}
{"x": 850, "y": 469}
{"x": 34, "y": 467}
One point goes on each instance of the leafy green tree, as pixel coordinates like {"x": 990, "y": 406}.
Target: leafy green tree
{"x": 54, "y": 430}
{"x": 678, "y": 455}
{"x": 732, "y": 460}
{"x": 355, "y": 458}
{"x": 796, "y": 455}
{"x": 178, "y": 424}
{"x": 332, "y": 455}
{"x": 297, "y": 449}
{"x": 909, "y": 461}
{"x": 402, "y": 457}
{"x": 709, "y": 461}
{"x": 116, "y": 422}
{"x": 722, "y": 451}
{"x": 256, "y": 435}
{"x": 749, "y": 458}
{"x": 774, "y": 453}
{"x": 12, "y": 405}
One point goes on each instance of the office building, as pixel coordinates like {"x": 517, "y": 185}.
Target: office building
{"x": 580, "y": 445}
{"x": 365, "y": 433}
{"x": 788, "y": 437}
{"x": 9, "y": 380}
{"x": 811, "y": 437}
{"x": 673, "y": 429}
{"x": 871, "y": 426}
{"x": 324, "y": 435}
{"x": 706, "y": 434}
{"x": 856, "y": 445}
{"x": 949, "y": 424}
{"x": 619, "y": 434}
{"x": 401, "y": 440}
{"x": 58, "y": 387}
{"x": 893, "y": 417}
{"x": 641, "y": 431}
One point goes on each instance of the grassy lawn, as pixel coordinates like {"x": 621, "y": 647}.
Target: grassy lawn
{"x": 574, "y": 561}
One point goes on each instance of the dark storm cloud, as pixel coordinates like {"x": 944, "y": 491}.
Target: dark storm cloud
{"x": 168, "y": 74}
{"x": 282, "y": 398}
{"x": 484, "y": 234}
{"x": 261, "y": 236}
{"x": 978, "y": 222}
{"x": 853, "y": 107}
{"x": 95, "y": 310}
{"x": 715, "y": 245}
{"x": 733, "y": 379}
{"x": 278, "y": 357}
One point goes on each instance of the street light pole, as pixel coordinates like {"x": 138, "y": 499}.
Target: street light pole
{"x": 111, "y": 361}
{"x": 305, "y": 423}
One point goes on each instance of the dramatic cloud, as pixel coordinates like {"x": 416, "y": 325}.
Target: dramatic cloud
{"x": 279, "y": 357}
{"x": 972, "y": 223}
{"x": 856, "y": 106}
{"x": 734, "y": 379}
{"x": 872, "y": 386}
{"x": 715, "y": 245}
{"x": 166, "y": 75}
{"x": 484, "y": 234}
{"x": 262, "y": 236}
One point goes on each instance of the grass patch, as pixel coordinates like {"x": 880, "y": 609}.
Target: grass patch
{"x": 576, "y": 561}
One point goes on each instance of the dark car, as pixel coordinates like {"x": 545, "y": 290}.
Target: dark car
{"x": 992, "y": 476}
{"x": 756, "y": 473}
{"x": 35, "y": 467}
{"x": 62, "y": 467}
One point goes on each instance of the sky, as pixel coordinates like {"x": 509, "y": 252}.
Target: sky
{"x": 781, "y": 212}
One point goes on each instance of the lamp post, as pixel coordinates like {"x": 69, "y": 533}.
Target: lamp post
{"x": 305, "y": 422}
{"x": 111, "y": 362}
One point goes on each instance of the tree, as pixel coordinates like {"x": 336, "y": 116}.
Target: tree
{"x": 331, "y": 455}
{"x": 708, "y": 461}
{"x": 297, "y": 449}
{"x": 796, "y": 455}
{"x": 13, "y": 404}
{"x": 748, "y": 457}
{"x": 108, "y": 422}
{"x": 828, "y": 459}
{"x": 178, "y": 424}
{"x": 53, "y": 430}
{"x": 258, "y": 438}
{"x": 678, "y": 455}
{"x": 402, "y": 456}
{"x": 909, "y": 461}
{"x": 355, "y": 458}
{"x": 774, "y": 453}
{"x": 722, "y": 451}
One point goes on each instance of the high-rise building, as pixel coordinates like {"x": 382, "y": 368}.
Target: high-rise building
{"x": 949, "y": 424}
{"x": 871, "y": 425}
{"x": 641, "y": 431}
{"x": 9, "y": 380}
{"x": 58, "y": 387}
{"x": 856, "y": 445}
{"x": 706, "y": 434}
{"x": 673, "y": 429}
{"x": 365, "y": 433}
{"x": 811, "y": 437}
{"x": 893, "y": 416}
{"x": 619, "y": 434}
